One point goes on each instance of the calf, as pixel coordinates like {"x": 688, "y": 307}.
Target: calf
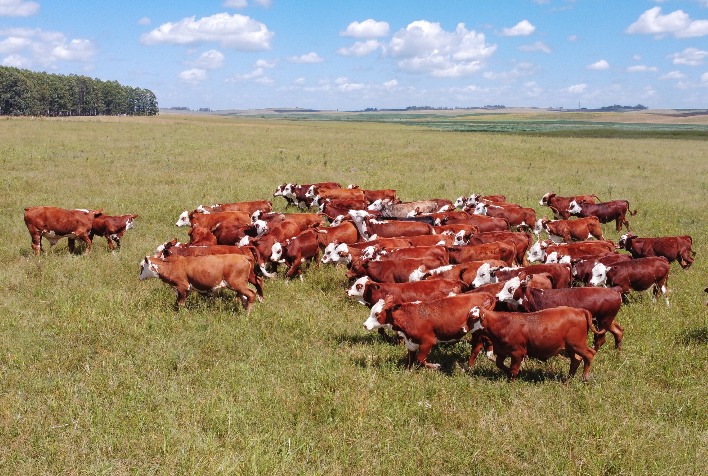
{"x": 566, "y": 231}
{"x": 250, "y": 207}
{"x": 397, "y": 271}
{"x": 295, "y": 251}
{"x": 560, "y": 205}
{"x": 582, "y": 269}
{"x": 54, "y": 223}
{"x": 368, "y": 292}
{"x": 519, "y": 217}
{"x": 673, "y": 248}
{"x": 422, "y": 325}
{"x": 540, "y": 335}
{"x": 638, "y": 274}
{"x": 603, "y": 303}
{"x": 205, "y": 274}
{"x": 112, "y": 228}
{"x": 559, "y": 273}
{"x": 605, "y": 211}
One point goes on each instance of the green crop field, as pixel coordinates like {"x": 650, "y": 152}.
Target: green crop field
{"x": 98, "y": 374}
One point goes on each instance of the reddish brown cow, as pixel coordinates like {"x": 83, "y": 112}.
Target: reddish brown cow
{"x": 422, "y": 325}
{"x": 673, "y": 248}
{"x": 431, "y": 240}
{"x": 515, "y": 215}
{"x": 559, "y": 272}
{"x": 637, "y": 274}
{"x": 205, "y": 274}
{"x": 54, "y": 223}
{"x": 546, "y": 250}
{"x": 582, "y": 269}
{"x": 210, "y": 220}
{"x": 465, "y": 272}
{"x": 522, "y": 240}
{"x": 339, "y": 194}
{"x": 388, "y": 195}
{"x": 295, "y": 251}
{"x": 387, "y": 229}
{"x": 249, "y": 207}
{"x": 499, "y": 250}
{"x": 357, "y": 267}
{"x": 483, "y": 222}
{"x": 540, "y": 335}
{"x": 112, "y": 228}
{"x": 334, "y": 208}
{"x": 397, "y": 271}
{"x": 200, "y": 236}
{"x": 579, "y": 229}
{"x": 614, "y": 210}
{"x": 560, "y": 205}
{"x": 369, "y": 293}
{"x": 344, "y": 233}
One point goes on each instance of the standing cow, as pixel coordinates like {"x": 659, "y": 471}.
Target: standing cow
{"x": 55, "y": 223}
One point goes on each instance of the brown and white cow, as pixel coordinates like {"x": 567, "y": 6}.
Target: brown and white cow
{"x": 522, "y": 240}
{"x": 398, "y": 271}
{"x": 540, "y": 335}
{"x": 368, "y": 292}
{"x": 112, "y": 228}
{"x": 55, "y": 223}
{"x": 296, "y": 251}
{"x": 205, "y": 274}
{"x": 582, "y": 269}
{"x": 369, "y": 227}
{"x": 334, "y": 208}
{"x": 559, "y": 272}
{"x": 519, "y": 217}
{"x": 635, "y": 275}
{"x": 549, "y": 252}
{"x": 249, "y": 207}
{"x": 560, "y": 205}
{"x": 673, "y": 248}
{"x": 614, "y": 210}
{"x": 482, "y": 222}
{"x": 210, "y": 220}
{"x": 580, "y": 229}
{"x": 346, "y": 232}
{"x": 504, "y": 250}
{"x": 424, "y": 324}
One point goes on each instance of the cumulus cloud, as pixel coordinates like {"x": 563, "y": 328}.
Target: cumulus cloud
{"x": 520, "y": 70}
{"x": 231, "y": 31}
{"x": 704, "y": 78}
{"x": 262, "y": 63}
{"x": 238, "y": 4}
{"x": 360, "y": 48}
{"x": 309, "y": 58}
{"x": 689, "y": 56}
{"x": 17, "y": 61}
{"x": 45, "y": 48}
{"x": 211, "y": 59}
{"x": 673, "y": 75}
{"x": 576, "y": 88}
{"x": 676, "y": 23}
{"x": 599, "y": 65}
{"x": 538, "y": 46}
{"x": 193, "y": 76}
{"x": 640, "y": 68}
{"x": 367, "y": 29}
{"x": 523, "y": 28}
{"x": 424, "y": 47}
{"x": 18, "y": 8}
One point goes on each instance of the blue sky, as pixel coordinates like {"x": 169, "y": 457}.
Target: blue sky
{"x": 250, "y": 54}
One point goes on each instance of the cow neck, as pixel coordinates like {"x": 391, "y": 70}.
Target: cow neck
{"x": 528, "y": 300}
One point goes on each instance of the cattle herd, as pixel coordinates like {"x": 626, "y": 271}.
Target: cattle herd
{"x": 429, "y": 271}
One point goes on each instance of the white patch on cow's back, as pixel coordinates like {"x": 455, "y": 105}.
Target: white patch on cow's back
{"x": 81, "y": 210}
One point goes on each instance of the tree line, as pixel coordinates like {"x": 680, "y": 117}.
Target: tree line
{"x": 29, "y": 93}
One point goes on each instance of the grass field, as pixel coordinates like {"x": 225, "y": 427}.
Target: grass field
{"x": 98, "y": 375}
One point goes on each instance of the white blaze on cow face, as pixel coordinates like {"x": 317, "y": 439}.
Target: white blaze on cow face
{"x": 261, "y": 227}
{"x": 535, "y": 253}
{"x": 417, "y": 274}
{"x": 480, "y": 209}
{"x": 599, "y": 274}
{"x": 373, "y": 321}
{"x": 183, "y": 219}
{"x": 484, "y": 275}
{"x": 245, "y": 241}
{"x": 310, "y": 192}
{"x": 276, "y": 253}
{"x": 544, "y": 199}
{"x": 552, "y": 257}
{"x": 337, "y": 221}
{"x": 256, "y": 216}
{"x": 357, "y": 289}
{"x": 460, "y": 202}
{"x": 376, "y": 206}
{"x": 538, "y": 227}
{"x": 508, "y": 291}
{"x": 288, "y": 191}
{"x": 459, "y": 238}
{"x": 129, "y": 224}
{"x": 472, "y": 200}
{"x": 574, "y": 208}
{"x": 327, "y": 253}
{"x": 368, "y": 252}
{"x": 148, "y": 269}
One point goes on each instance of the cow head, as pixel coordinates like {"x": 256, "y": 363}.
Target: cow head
{"x": 480, "y": 209}
{"x": 418, "y": 274}
{"x": 376, "y": 206}
{"x": 310, "y": 192}
{"x": 289, "y": 191}
{"x": 413, "y": 213}
{"x": 574, "y": 208}
{"x": 148, "y": 269}
{"x": 337, "y": 221}
{"x": 536, "y": 252}
{"x": 129, "y": 221}
{"x": 507, "y": 293}
{"x": 276, "y": 253}
{"x": 599, "y": 274}
{"x": 261, "y": 227}
{"x": 460, "y": 202}
{"x": 377, "y": 317}
{"x": 357, "y": 289}
{"x": 546, "y": 199}
{"x": 484, "y": 275}
{"x": 256, "y": 216}
{"x": 162, "y": 249}
{"x": 183, "y": 219}
{"x": 624, "y": 241}
{"x": 460, "y": 239}
{"x": 476, "y": 314}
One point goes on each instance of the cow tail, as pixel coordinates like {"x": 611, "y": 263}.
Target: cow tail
{"x": 598, "y": 198}
{"x": 631, "y": 213}
{"x": 588, "y": 317}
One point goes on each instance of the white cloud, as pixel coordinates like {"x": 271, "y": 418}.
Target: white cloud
{"x": 231, "y": 31}
{"x": 366, "y": 29}
{"x": 309, "y": 58}
{"x": 194, "y": 75}
{"x": 689, "y": 56}
{"x": 523, "y": 28}
{"x": 673, "y": 75}
{"x": 519, "y": 71}
{"x": 677, "y": 23}
{"x": 538, "y": 46}
{"x": 576, "y": 88}
{"x": 599, "y": 65}
{"x": 360, "y": 48}
{"x": 144, "y": 21}
{"x": 211, "y": 59}
{"x": 235, "y": 3}
{"x": 18, "y": 8}
{"x": 392, "y": 84}
{"x": 573, "y": 38}
{"x": 17, "y": 61}
{"x": 261, "y": 63}
{"x": 45, "y": 48}
{"x": 424, "y": 47}
{"x": 640, "y": 68}
{"x": 704, "y": 78}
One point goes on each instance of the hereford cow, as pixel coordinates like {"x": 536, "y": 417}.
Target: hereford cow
{"x": 334, "y": 208}
{"x": 559, "y": 272}
{"x": 200, "y": 236}
{"x": 519, "y": 217}
{"x": 368, "y": 292}
{"x": 205, "y": 274}
{"x": 337, "y": 194}
{"x": 249, "y": 207}
{"x": 498, "y": 250}
{"x": 522, "y": 240}
{"x": 549, "y": 252}
{"x": 637, "y": 274}
{"x": 566, "y": 231}
{"x": 296, "y": 251}
{"x": 112, "y": 228}
{"x": 614, "y": 210}
{"x": 673, "y": 248}
{"x": 387, "y": 229}
{"x": 397, "y": 271}
{"x": 210, "y": 220}
{"x": 482, "y": 222}
{"x": 560, "y": 205}
{"x": 55, "y": 223}
{"x": 582, "y": 269}
{"x": 424, "y": 324}
{"x": 540, "y": 335}
{"x": 603, "y": 303}
{"x": 344, "y": 233}
{"x": 465, "y": 272}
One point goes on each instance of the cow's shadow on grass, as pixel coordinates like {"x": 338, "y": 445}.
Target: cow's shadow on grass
{"x": 698, "y": 335}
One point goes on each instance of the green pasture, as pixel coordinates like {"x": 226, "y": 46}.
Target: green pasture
{"x": 98, "y": 374}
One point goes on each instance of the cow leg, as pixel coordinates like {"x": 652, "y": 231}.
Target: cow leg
{"x": 411, "y": 358}
{"x": 111, "y": 247}
{"x": 36, "y": 243}
{"x": 618, "y": 333}
{"x": 87, "y": 240}
{"x": 477, "y": 343}
{"x": 181, "y": 298}
{"x": 423, "y": 351}
{"x": 504, "y": 368}
{"x": 72, "y": 245}
{"x": 516, "y": 360}
{"x": 243, "y": 291}
{"x": 587, "y": 354}
{"x": 598, "y": 340}
{"x": 294, "y": 268}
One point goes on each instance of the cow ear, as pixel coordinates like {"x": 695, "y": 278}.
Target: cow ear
{"x": 375, "y": 286}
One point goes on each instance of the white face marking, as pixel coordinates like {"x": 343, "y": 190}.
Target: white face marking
{"x": 256, "y": 216}
{"x": 310, "y": 192}
{"x": 507, "y": 293}
{"x": 337, "y": 221}
{"x": 459, "y": 238}
{"x": 417, "y": 274}
{"x": 411, "y": 214}
{"x": 368, "y": 252}
{"x": 148, "y": 269}
{"x": 480, "y": 209}
{"x": 476, "y": 311}
{"x": 288, "y": 191}
{"x": 460, "y": 202}
{"x": 276, "y": 252}
{"x": 129, "y": 224}
{"x": 357, "y": 289}
{"x": 535, "y": 252}
{"x": 574, "y": 208}
{"x": 328, "y": 253}
{"x": 538, "y": 227}
{"x": 183, "y": 219}
{"x": 484, "y": 275}
{"x": 376, "y": 205}
{"x": 472, "y": 200}
{"x": 599, "y": 275}
{"x": 544, "y": 199}
{"x": 552, "y": 257}
{"x": 261, "y": 227}
{"x": 245, "y": 241}
{"x": 373, "y": 321}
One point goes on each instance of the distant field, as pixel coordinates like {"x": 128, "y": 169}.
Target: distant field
{"x": 99, "y": 375}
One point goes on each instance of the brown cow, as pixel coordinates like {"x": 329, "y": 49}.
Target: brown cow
{"x": 112, "y": 228}
{"x": 344, "y": 233}
{"x": 387, "y": 229}
{"x": 582, "y": 269}
{"x": 549, "y": 252}
{"x": 338, "y": 194}
{"x": 516, "y": 216}
{"x": 368, "y": 292}
{"x": 210, "y": 220}
{"x": 200, "y": 236}
{"x": 54, "y": 223}
{"x": 522, "y": 240}
{"x": 334, "y": 208}
{"x": 465, "y": 272}
{"x": 398, "y": 271}
{"x": 605, "y": 211}
{"x": 295, "y": 251}
{"x": 637, "y": 274}
{"x": 560, "y": 205}
{"x": 499, "y": 250}
{"x": 540, "y": 335}
{"x": 559, "y": 272}
{"x": 422, "y": 325}
{"x": 673, "y": 248}
{"x": 579, "y": 229}
{"x": 205, "y": 274}
{"x": 483, "y": 222}
{"x": 409, "y": 209}
{"x": 250, "y": 207}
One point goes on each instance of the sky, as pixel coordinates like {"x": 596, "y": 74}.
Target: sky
{"x": 384, "y": 54}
